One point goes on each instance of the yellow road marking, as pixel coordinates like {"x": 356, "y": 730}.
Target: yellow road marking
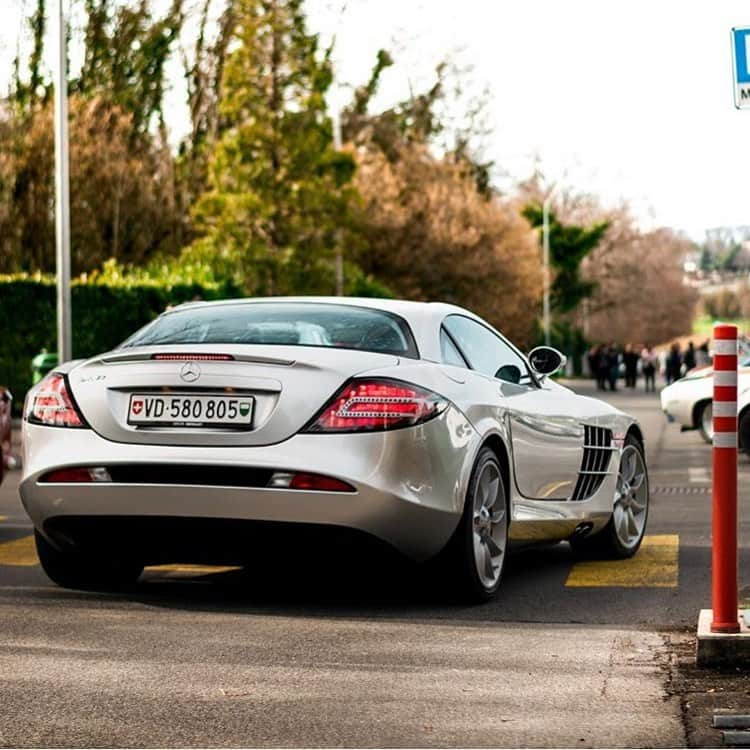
{"x": 189, "y": 571}
{"x": 19, "y": 552}
{"x": 22, "y": 552}
{"x": 654, "y": 566}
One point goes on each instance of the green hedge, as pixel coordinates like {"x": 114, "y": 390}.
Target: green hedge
{"x": 105, "y": 312}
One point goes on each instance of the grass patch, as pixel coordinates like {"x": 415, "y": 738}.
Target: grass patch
{"x": 704, "y": 325}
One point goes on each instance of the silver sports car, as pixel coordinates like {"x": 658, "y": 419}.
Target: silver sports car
{"x": 222, "y": 425}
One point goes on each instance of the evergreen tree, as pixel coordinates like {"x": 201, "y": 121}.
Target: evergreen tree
{"x": 278, "y": 191}
{"x": 569, "y": 244}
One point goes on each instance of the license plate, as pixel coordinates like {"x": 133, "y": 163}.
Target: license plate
{"x": 192, "y": 410}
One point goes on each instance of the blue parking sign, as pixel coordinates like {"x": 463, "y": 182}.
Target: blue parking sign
{"x": 741, "y": 66}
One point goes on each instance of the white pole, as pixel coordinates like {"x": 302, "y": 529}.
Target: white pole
{"x": 545, "y": 269}
{"x": 62, "y": 197}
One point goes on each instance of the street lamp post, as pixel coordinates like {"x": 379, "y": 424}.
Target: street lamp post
{"x": 62, "y": 197}
{"x": 337, "y": 237}
{"x": 545, "y": 268}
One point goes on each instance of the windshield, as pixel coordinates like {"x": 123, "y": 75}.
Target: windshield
{"x": 282, "y": 323}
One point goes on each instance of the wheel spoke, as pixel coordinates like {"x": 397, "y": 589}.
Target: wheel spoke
{"x": 628, "y": 464}
{"x": 493, "y": 547}
{"x": 624, "y": 535}
{"x": 637, "y": 481}
{"x": 498, "y": 515}
{"x": 478, "y": 548}
{"x": 621, "y": 522}
{"x": 638, "y": 504}
{"x": 483, "y": 488}
{"x": 632, "y": 526}
{"x": 489, "y": 569}
{"x": 492, "y": 490}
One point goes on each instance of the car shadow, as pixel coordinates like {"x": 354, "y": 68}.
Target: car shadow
{"x": 378, "y": 586}
{"x": 533, "y": 591}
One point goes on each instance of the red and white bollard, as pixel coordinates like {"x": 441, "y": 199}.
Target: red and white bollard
{"x": 724, "y": 566}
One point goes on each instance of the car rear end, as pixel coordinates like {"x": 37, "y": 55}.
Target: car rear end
{"x": 224, "y": 422}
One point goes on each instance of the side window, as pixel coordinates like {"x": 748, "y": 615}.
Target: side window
{"x": 486, "y": 352}
{"x": 450, "y": 355}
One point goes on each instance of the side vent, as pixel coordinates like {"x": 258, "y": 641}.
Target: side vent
{"x": 597, "y": 451}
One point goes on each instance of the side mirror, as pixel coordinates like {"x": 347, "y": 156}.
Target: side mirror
{"x": 545, "y": 360}
{"x": 509, "y": 373}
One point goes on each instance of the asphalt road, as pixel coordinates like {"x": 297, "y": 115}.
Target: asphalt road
{"x": 565, "y": 656}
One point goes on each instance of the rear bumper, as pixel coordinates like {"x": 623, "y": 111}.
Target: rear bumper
{"x": 410, "y": 484}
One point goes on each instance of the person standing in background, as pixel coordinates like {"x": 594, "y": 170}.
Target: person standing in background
{"x": 649, "y": 360}
{"x": 674, "y": 364}
{"x": 688, "y": 359}
{"x": 592, "y": 357}
{"x": 630, "y": 358}
{"x": 662, "y": 360}
{"x": 613, "y": 365}
{"x": 702, "y": 357}
{"x": 601, "y": 367}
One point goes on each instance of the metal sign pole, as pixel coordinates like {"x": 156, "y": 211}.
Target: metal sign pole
{"x": 62, "y": 197}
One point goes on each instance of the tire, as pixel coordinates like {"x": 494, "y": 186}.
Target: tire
{"x": 622, "y": 536}
{"x": 704, "y": 415}
{"x": 474, "y": 558}
{"x": 743, "y": 429}
{"x": 74, "y": 570}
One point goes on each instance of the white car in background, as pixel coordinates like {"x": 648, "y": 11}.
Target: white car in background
{"x": 689, "y": 402}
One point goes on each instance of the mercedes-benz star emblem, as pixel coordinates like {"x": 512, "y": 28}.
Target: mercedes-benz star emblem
{"x": 190, "y": 372}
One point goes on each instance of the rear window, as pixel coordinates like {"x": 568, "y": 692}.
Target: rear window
{"x": 282, "y": 323}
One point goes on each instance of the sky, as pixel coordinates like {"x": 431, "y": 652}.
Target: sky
{"x": 629, "y": 100}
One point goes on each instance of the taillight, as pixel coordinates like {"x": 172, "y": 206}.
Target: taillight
{"x": 369, "y": 405}
{"x": 77, "y": 475}
{"x": 52, "y": 404}
{"x": 303, "y": 480}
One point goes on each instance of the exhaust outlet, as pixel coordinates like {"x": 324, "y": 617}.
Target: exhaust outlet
{"x": 583, "y": 529}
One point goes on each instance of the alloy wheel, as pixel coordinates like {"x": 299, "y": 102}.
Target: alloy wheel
{"x": 631, "y": 498}
{"x": 489, "y": 528}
